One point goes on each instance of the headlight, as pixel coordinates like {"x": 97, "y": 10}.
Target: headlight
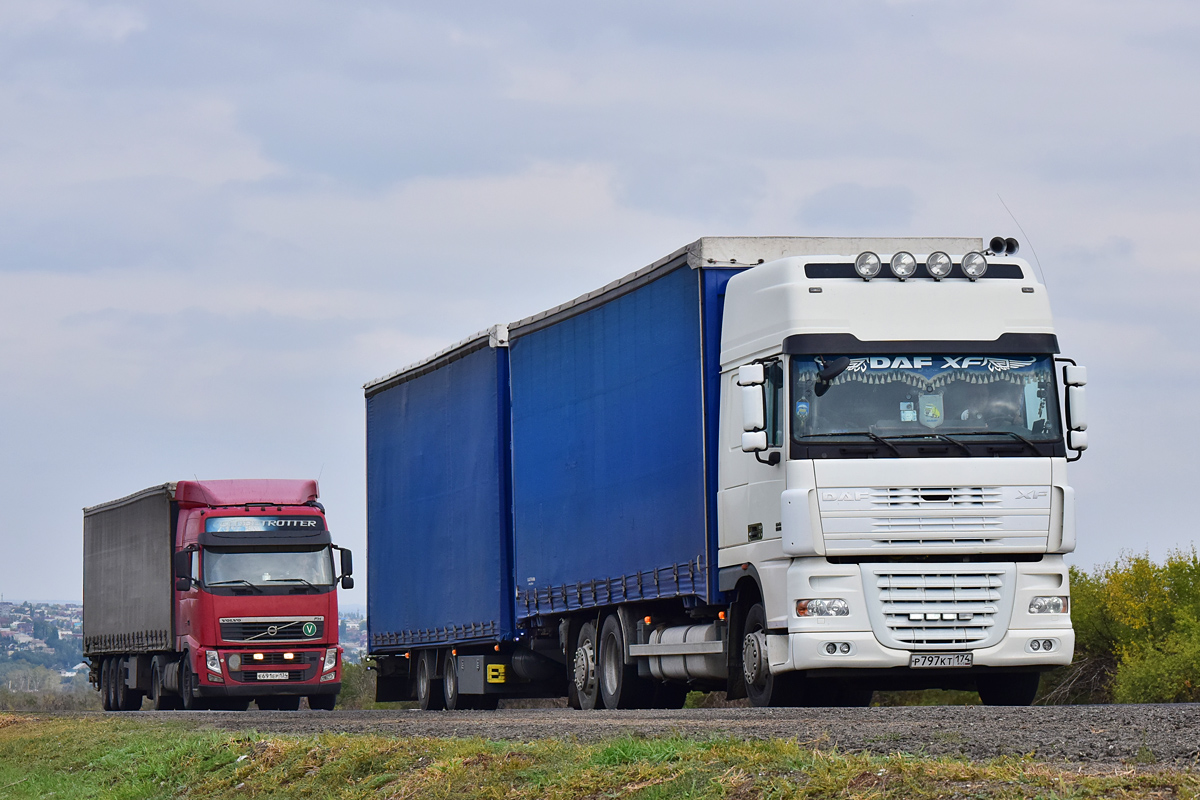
{"x": 831, "y": 607}
{"x": 903, "y": 265}
{"x": 213, "y": 660}
{"x": 974, "y": 265}
{"x": 1050, "y": 605}
{"x": 234, "y": 660}
{"x": 939, "y": 265}
{"x": 867, "y": 265}
{"x": 330, "y": 659}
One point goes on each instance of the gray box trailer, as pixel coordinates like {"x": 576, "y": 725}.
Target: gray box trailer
{"x": 128, "y": 582}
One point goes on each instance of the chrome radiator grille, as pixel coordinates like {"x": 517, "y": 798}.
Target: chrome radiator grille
{"x": 939, "y": 609}
{"x": 938, "y": 497}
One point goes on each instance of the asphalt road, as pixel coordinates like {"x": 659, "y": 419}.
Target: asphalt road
{"x": 1125, "y": 734}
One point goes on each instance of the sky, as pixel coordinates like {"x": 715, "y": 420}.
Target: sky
{"x": 219, "y": 219}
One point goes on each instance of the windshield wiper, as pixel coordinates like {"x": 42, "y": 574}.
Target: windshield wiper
{"x": 868, "y": 434}
{"x": 931, "y": 435}
{"x": 289, "y": 580}
{"x": 1013, "y": 434}
{"x": 238, "y": 580}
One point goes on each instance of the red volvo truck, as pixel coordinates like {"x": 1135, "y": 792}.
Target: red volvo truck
{"x": 211, "y": 594}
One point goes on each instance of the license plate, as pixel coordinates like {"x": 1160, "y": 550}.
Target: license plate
{"x": 272, "y": 676}
{"x": 937, "y": 660}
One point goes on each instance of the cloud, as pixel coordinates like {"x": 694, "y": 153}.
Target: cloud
{"x": 111, "y": 23}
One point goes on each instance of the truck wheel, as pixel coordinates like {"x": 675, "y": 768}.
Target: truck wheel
{"x": 187, "y": 682}
{"x": 322, "y": 702}
{"x": 762, "y": 687}
{"x": 620, "y": 686}
{"x": 429, "y": 689}
{"x": 451, "y": 698}
{"x": 587, "y": 684}
{"x": 106, "y": 684}
{"x": 163, "y": 699}
{"x": 1015, "y": 689}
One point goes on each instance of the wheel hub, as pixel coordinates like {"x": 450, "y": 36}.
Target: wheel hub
{"x": 585, "y": 668}
{"x": 754, "y": 658}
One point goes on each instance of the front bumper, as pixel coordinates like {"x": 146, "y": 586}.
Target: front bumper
{"x": 268, "y": 689}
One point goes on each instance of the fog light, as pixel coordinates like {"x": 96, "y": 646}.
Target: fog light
{"x": 974, "y": 265}
{"x": 234, "y": 660}
{"x": 328, "y": 677}
{"x": 831, "y": 648}
{"x": 827, "y": 607}
{"x": 1047, "y": 645}
{"x": 903, "y": 265}
{"x": 330, "y": 659}
{"x": 288, "y": 656}
{"x": 1049, "y": 605}
{"x": 258, "y": 656}
{"x": 939, "y": 265}
{"x": 867, "y": 265}
{"x": 1035, "y": 645}
{"x": 844, "y": 648}
{"x": 213, "y": 661}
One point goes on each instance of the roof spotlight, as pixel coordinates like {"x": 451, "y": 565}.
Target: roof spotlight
{"x": 903, "y": 265}
{"x": 938, "y": 264}
{"x": 867, "y": 265}
{"x": 974, "y": 265}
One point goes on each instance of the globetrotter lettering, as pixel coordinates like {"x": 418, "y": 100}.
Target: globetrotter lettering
{"x": 259, "y": 524}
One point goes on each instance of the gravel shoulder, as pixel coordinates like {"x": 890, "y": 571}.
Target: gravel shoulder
{"x": 1099, "y": 735}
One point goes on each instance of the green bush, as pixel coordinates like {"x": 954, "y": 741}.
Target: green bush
{"x": 1137, "y": 633}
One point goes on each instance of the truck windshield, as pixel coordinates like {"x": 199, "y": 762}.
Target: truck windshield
{"x": 239, "y": 567}
{"x": 925, "y": 396}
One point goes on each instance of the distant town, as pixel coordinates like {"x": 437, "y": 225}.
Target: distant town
{"x": 41, "y": 645}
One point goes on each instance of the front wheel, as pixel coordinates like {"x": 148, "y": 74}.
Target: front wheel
{"x": 762, "y": 686}
{"x": 1014, "y": 689}
{"x": 187, "y": 685}
{"x": 322, "y": 702}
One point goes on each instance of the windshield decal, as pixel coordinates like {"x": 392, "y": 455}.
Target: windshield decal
{"x": 262, "y": 524}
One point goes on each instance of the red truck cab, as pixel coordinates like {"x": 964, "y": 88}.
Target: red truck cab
{"x": 256, "y": 613}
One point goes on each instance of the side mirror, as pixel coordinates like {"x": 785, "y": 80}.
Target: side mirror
{"x": 754, "y": 441}
{"x": 1077, "y": 440}
{"x": 1076, "y": 408}
{"x": 751, "y": 375}
{"x": 347, "y": 582}
{"x": 347, "y": 562}
{"x": 1075, "y": 376}
{"x": 753, "y": 408}
{"x": 183, "y": 570}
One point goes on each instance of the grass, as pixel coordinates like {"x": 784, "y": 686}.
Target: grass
{"x": 126, "y": 758}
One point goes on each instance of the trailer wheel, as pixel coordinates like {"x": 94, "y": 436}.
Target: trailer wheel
{"x": 1014, "y": 689}
{"x": 450, "y": 696}
{"x": 620, "y": 686}
{"x": 429, "y": 689}
{"x": 106, "y": 684}
{"x": 763, "y": 687}
{"x": 587, "y": 683}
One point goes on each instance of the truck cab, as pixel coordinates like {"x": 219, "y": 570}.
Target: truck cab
{"x": 893, "y": 501}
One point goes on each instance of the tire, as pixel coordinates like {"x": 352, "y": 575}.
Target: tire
{"x": 620, "y": 686}
{"x": 120, "y": 690}
{"x": 586, "y": 679}
{"x": 322, "y": 702}
{"x": 187, "y": 680}
{"x": 573, "y": 626}
{"x": 668, "y": 695}
{"x": 762, "y": 687}
{"x": 429, "y": 689}
{"x": 163, "y": 699}
{"x": 106, "y": 688}
{"x": 1013, "y": 689}
{"x": 451, "y": 699}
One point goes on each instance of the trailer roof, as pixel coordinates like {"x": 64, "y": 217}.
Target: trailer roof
{"x": 269, "y": 491}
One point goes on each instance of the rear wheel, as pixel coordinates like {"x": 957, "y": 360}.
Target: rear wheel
{"x": 620, "y": 686}
{"x": 163, "y": 699}
{"x": 120, "y": 690}
{"x": 106, "y": 699}
{"x": 1016, "y": 689}
{"x": 587, "y": 683}
{"x": 762, "y": 687}
{"x": 452, "y": 699}
{"x": 429, "y": 690}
